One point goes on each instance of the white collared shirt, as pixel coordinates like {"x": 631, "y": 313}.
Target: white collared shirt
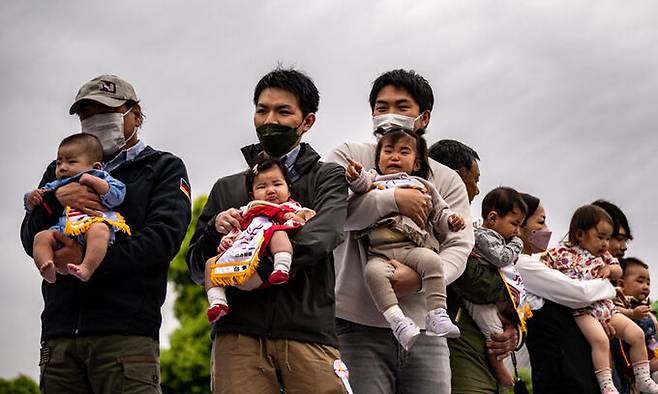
{"x": 542, "y": 282}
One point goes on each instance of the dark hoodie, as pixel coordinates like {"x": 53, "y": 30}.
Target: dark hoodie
{"x": 303, "y": 308}
{"x": 126, "y": 292}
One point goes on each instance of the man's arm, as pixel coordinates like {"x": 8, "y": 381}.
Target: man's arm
{"x": 167, "y": 217}
{"x": 320, "y": 236}
{"x": 559, "y": 288}
{"x": 203, "y": 244}
{"x": 455, "y": 246}
{"x": 381, "y": 203}
{"x": 42, "y": 216}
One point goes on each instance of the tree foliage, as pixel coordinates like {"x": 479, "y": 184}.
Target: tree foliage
{"x": 19, "y": 385}
{"x": 186, "y": 364}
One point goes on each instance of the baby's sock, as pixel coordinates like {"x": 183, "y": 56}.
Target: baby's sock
{"x": 282, "y": 261}
{"x": 604, "y": 376}
{"x": 216, "y": 296}
{"x": 393, "y": 314}
{"x": 218, "y": 304}
{"x": 642, "y": 378}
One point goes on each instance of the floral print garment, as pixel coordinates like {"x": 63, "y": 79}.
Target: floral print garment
{"x": 578, "y": 263}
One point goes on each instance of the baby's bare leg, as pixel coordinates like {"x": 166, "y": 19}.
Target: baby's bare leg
{"x": 280, "y": 243}
{"x": 43, "y": 251}
{"x": 598, "y": 340}
{"x": 97, "y": 237}
{"x": 632, "y": 333}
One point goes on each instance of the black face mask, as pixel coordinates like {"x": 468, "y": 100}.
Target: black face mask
{"x": 276, "y": 139}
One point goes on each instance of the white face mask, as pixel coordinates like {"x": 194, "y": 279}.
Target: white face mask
{"x": 108, "y": 128}
{"x": 386, "y": 122}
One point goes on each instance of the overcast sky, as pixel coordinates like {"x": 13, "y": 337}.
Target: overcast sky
{"x": 559, "y": 99}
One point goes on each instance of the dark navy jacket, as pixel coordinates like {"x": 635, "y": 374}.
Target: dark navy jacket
{"x": 126, "y": 292}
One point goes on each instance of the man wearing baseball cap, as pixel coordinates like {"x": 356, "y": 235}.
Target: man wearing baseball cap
{"x": 101, "y": 336}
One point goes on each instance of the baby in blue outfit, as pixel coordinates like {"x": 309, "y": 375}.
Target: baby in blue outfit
{"x": 79, "y": 158}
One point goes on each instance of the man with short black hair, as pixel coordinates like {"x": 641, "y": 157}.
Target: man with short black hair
{"x": 462, "y": 159}
{"x": 280, "y": 338}
{"x": 378, "y": 364}
{"x": 468, "y": 353}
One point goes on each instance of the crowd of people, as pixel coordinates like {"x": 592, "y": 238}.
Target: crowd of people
{"x": 362, "y": 272}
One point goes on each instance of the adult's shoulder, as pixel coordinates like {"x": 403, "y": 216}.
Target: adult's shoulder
{"x": 363, "y": 152}
{"x": 447, "y": 181}
{"x": 328, "y": 167}
{"x": 161, "y": 155}
{"x": 230, "y": 181}
{"x": 443, "y": 175}
{"x": 229, "y": 191}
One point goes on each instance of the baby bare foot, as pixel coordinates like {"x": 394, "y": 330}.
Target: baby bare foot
{"x": 80, "y": 271}
{"x": 48, "y": 272}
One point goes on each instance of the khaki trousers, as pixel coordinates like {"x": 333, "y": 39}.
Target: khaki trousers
{"x": 245, "y": 364}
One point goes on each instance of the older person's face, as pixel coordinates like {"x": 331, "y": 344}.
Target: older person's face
{"x": 471, "y": 178}
{"x": 131, "y": 120}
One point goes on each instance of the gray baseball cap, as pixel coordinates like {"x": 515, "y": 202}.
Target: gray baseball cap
{"x": 108, "y": 90}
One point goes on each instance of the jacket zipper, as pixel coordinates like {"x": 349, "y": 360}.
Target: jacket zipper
{"x": 270, "y": 305}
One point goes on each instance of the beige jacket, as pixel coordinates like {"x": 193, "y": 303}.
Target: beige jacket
{"x": 353, "y": 302}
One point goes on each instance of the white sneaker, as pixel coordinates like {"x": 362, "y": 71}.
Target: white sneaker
{"x": 438, "y": 323}
{"x": 406, "y": 332}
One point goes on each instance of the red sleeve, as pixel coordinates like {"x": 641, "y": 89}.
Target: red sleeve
{"x": 283, "y": 209}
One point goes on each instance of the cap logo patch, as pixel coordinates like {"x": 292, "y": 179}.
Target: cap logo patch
{"x": 108, "y": 86}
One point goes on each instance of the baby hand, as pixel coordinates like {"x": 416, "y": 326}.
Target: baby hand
{"x": 353, "y": 170}
{"x": 604, "y": 272}
{"x": 289, "y": 215}
{"x": 456, "y": 222}
{"x": 640, "y": 312}
{"x": 298, "y": 219}
{"x": 302, "y": 216}
{"x": 35, "y": 198}
{"x": 224, "y": 244}
{"x": 86, "y": 179}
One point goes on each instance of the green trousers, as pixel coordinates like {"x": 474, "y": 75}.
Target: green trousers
{"x": 468, "y": 362}
{"x": 100, "y": 364}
